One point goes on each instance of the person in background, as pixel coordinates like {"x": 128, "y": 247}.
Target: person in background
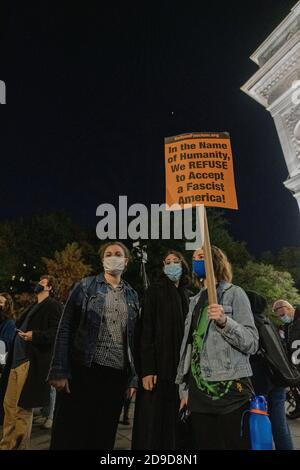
{"x": 290, "y": 317}
{"x": 7, "y": 325}
{"x": 93, "y": 365}
{"x": 7, "y": 335}
{"x": 157, "y": 402}
{"x": 28, "y": 364}
{"x": 45, "y": 417}
{"x": 265, "y": 384}
{"x": 214, "y": 370}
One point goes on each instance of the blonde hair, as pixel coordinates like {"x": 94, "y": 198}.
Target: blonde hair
{"x": 282, "y": 303}
{"x": 222, "y": 267}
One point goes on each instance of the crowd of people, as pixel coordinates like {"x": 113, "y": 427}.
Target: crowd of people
{"x": 192, "y": 365}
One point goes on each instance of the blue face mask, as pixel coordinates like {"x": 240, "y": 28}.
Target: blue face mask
{"x": 199, "y": 268}
{"x": 173, "y": 271}
{"x": 286, "y": 319}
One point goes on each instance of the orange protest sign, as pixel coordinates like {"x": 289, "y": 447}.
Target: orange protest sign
{"x": 199, "y": 170}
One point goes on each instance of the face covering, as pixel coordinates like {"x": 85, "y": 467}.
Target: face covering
{"x": 38, "y": 289}
{"x": 114, "y": 264}
{"x": 286, "y": 319}
{"x": 173, "y": 271}
{"x": 199, "y": 268}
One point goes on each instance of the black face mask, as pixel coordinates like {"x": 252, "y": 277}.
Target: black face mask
{"x": 38, "y": 289}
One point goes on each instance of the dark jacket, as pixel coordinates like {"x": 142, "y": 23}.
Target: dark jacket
{"x": 80, "y": 323}
{"x": 7, "y": 333}
{"x": 162, "y": 322}
{"x": 43, "y": 324}
{"x": 261, "y": 379}
{"x": 270, "y": 365}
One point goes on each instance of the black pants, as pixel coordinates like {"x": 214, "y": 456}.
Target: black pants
{"x": 156, "y": 424}
{"x": 126, "y": 406}
{"x": 88, "y": 417}
{"x": 221, "y": 431}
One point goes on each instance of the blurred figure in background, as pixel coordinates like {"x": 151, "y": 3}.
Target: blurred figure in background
{"x": 290, "y": 317}
{"x": 45, "y": 416}
{"x": 264, "y": 380}
{"x": 7, "y": 325}
{"x": 27, "y": 366}
{"x": 7, "y": 335}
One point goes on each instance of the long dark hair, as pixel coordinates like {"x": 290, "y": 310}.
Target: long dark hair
{"x": 185, "y": 279}
{"x": 7, "y": 313}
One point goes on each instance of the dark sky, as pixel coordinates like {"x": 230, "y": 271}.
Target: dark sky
{"x": 94, "y": 87}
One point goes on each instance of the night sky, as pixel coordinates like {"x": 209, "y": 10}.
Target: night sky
{"x": 94, "y": 87}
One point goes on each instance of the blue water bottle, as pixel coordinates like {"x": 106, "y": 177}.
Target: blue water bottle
{"x": 260, "y": 424}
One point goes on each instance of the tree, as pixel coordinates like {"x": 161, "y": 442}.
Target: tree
{"x": 8, "y": 257}
{"x": 24, "y": 242}
{"x": 267, "y": 281}
{"x": 288, "y": 259}
{"x": 22, "y": 302}
{"x": 236, "y": 251}
{"x": 67, "y": 267}
{"x": 267, "y": 257}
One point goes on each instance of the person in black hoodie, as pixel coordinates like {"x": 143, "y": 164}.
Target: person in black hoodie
{"x": 24, "y": 378}
{"x": 265, "y": 384}
{"x": 166, "y": 304}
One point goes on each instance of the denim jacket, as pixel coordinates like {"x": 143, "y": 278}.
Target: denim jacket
{"x": 80, "y": 323}
{"x": 225, "y": 351}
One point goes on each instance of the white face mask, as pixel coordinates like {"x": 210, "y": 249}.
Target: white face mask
{"x": 114, "y": 264}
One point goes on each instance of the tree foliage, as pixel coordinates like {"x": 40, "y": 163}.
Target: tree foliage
{"x": 236, "y": 251}
{"x": 289, "y": 260}
{"x": 267, "y": 281}
{"x": 71, "y": 252}
{"x": 27, "y": 240}
{"x": 68, "y": 267}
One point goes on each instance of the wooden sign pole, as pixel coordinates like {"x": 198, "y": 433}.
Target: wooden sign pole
{"x": 209, "y": 269}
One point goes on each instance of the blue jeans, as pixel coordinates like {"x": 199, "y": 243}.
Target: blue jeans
{"x": 276, "y": 397}
{"x": 48, "y": 411}
{"x": 281, "y": 431}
